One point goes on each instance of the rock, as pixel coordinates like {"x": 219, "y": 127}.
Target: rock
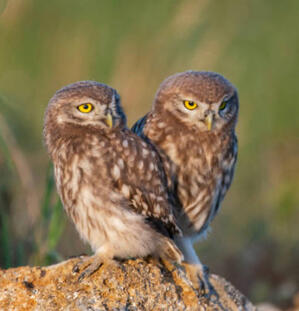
{"x": 135, "y": 284}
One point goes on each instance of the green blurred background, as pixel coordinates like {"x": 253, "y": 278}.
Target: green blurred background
{"x": 132, "y": 46}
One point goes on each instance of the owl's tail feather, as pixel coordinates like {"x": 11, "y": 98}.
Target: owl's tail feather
{"x": 169, "y": 251}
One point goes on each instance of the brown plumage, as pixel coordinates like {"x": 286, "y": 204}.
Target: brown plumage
{"x": 109, "y": 180}
{"x": 192, "y": 123}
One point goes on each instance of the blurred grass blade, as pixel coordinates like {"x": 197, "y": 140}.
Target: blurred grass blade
{"x": 16, "y": 159}
{"x": 51, "y": 224}
{"x": 5, "y": 240}
{"x": 20, "y": 254}
{"x": 50, "y": 186}
{"x": 56, "y": 226}
{"x": 5, "y": 152}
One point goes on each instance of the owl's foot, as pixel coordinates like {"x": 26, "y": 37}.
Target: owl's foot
{"x": 89, "y": 270}
{"x": 78, "y": 266}
{"x": 199, "y": 276}
{"x": 89, "y": 265}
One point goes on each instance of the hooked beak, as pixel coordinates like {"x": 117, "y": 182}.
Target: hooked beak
{"x": 209, "y": 120}
{"x": 109, "y": 120}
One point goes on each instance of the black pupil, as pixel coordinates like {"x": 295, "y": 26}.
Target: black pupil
{"x": 85, "y": 106}
{"x": 191, "y": 103}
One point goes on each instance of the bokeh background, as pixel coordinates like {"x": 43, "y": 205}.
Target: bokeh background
{"x": 132, "y": 46}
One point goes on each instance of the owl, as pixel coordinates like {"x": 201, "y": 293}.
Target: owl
{"x": 111, "y": 182}
{"x": 192, "y": 123}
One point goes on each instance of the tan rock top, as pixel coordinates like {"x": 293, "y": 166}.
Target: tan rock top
{"x": 135, "y": 284}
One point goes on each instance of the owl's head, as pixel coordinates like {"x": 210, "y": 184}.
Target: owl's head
{"x": 86, "y": 104}
{"x": 204, "y": 101}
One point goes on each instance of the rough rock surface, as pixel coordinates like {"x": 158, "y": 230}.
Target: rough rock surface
{"x": 131, "y": 285}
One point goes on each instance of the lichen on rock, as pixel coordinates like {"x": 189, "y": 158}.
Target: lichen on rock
{"x": 134, "y": 284}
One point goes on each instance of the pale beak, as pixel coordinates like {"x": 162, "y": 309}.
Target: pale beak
{"x": 209, "y": 120}
{"x": 109, "y": 120}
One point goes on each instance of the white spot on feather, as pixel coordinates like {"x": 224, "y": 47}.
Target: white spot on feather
{"x": 160, "y": 199}
{"x": 116, "y": 172}
{"x": 140, "y": 165}
{"x": 157, "y": 209}
{"x": 145, "y": 152}
{"x": 160, "y": 125}
{"x": 125, "y": 144}
{"x": 151, "y": 166}
{"x": 121, "y": 163}
{"x": 125, "y": 189}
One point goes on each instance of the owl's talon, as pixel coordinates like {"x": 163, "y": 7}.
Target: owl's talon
{"x": 76, "y": 268}
{"x": 96, "y": 261}
{"x": 89, "y": 270}
{"x": 209, "y": 291}
{"x": 199, "y": 276}
{"x": 84, "y": 274}
{"x": 79, "y": 265}
{"x": 206, "y": 270}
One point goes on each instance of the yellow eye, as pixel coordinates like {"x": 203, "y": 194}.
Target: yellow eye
{"x": 223, "y": 105}
{"x": 85, "y": 108}
{"x": 189, "y": 104}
